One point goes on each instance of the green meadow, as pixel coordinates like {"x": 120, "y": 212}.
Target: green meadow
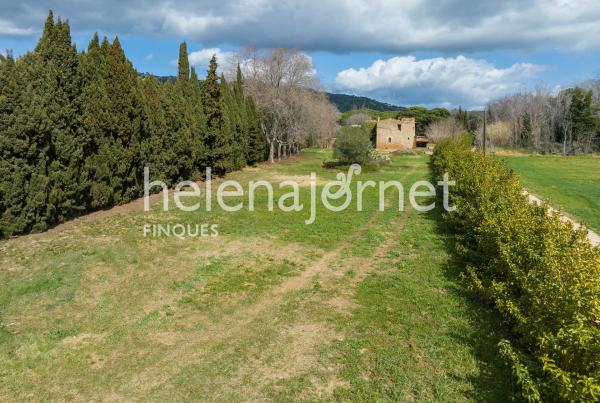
{"x": 570, "y": 183}
{"x": 359, "y": 306}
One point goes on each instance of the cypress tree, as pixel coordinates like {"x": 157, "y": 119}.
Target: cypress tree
{"x": 257, "y": 143}
{"x": 238, "y": 88}
{"x": 156, "y": 152}
{"x": 233, "y": 128}
{"x": 66, "y": 144}
{"x": 76, "y": 130}
{"x": 184, "y": 64}
{"x": 581, "y": 114}
{"x": 95, "y": 118}
{"x": 49, "y": 122}
{"x": 198, "y": 119}
{"x": 217, "y": 142}
{"x": 124, "y": 128}
{"x": 15, "y": 169}
{"x": 526, "y": 130}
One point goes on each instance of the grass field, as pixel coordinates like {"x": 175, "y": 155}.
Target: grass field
{"x": 358, "y": 306}
{"x": 569, "y": 183}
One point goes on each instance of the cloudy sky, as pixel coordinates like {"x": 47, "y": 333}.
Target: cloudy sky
{"x": 426, "y": 52}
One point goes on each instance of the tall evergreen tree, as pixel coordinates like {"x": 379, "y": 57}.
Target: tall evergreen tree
{"x": 96, "y": 120}
{"x": 184, "y": 63}
{"x": 257, "y": 143}
{"x": 76, "y": 130}
{"x": 157, "y": 152}
{"x": 526, "y": 133}
{"x": 198, "y": 120}
{"x": 218, "y": 143}
{"x": 581, "y": 115}
{"x": 234, "y": 128}
{"x": 121, "y": 78}
{"x": 15, "y": 169}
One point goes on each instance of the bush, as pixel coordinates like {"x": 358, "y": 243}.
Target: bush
{"x": 352, "y": 146}
{"x": 536, "y": 271}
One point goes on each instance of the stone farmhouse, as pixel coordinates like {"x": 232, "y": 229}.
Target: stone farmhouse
{"x": 397, "y": 134}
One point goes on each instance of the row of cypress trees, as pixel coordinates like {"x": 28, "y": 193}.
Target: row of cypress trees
{"x": 77, "y": 129}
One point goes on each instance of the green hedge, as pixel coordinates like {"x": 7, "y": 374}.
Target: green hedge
{"x": 541, "y": 276}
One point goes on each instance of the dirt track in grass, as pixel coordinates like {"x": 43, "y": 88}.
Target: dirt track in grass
{"x": 268, "y": 310}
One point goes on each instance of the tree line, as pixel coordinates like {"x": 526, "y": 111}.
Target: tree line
{"x": 565, "y": 122}
{"x": 78, "y": 128}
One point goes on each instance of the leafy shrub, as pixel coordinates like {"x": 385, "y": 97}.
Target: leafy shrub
{"x": 378, "y": 157}
{"x": 541, "y": 275}
{"x": 352, "y": 145}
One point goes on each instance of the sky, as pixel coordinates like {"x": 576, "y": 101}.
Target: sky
{"x": 406, "y": 52}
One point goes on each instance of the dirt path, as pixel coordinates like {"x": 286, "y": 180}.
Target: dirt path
{"x": 296, "y": 339}
{"x": 592, "y": 236}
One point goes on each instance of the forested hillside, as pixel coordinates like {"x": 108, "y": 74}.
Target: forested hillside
{"x": 77, "y": 129}
{"x": 345, "y": 103}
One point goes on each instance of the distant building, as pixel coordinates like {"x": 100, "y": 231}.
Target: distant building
{"x": 395, "y": 134}
{"x": 398, "y": 134}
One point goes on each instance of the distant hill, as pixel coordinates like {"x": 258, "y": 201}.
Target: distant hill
{"x": 343, "y": 102}
{"x": 346, "y": 103}
{"x": 162, "y": 79}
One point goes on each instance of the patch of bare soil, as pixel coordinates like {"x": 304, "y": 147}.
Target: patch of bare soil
{"x": 297, "y": 343}
{"x": 509, "y": 152}
{"x": 301, "y": 180}
{"x": 235, "y": 328}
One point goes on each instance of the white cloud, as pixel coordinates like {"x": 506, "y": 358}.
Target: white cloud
{"x": 201, "y": 58}
{"x": 8, "y": 28}
{"x": 149, "y": 56}
{"x": 335, "y": 25}
{"x": 449, "y": 81}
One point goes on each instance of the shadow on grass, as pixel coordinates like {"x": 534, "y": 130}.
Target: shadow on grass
{"x": 494, "y": 382}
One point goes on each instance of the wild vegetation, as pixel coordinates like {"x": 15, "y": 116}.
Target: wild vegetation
{"x": 352, "y": 146}
{"x": 541, "y": 276}
{"x": 565, "y": 123}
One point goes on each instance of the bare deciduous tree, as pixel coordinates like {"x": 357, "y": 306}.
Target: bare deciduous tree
{"x": 358, "y": 118}
{"x": 285, "y": 87}
{"x": 441, "y": 129}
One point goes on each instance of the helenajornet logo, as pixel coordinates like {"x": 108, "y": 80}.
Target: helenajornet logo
{"x": 335, "y": 195}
